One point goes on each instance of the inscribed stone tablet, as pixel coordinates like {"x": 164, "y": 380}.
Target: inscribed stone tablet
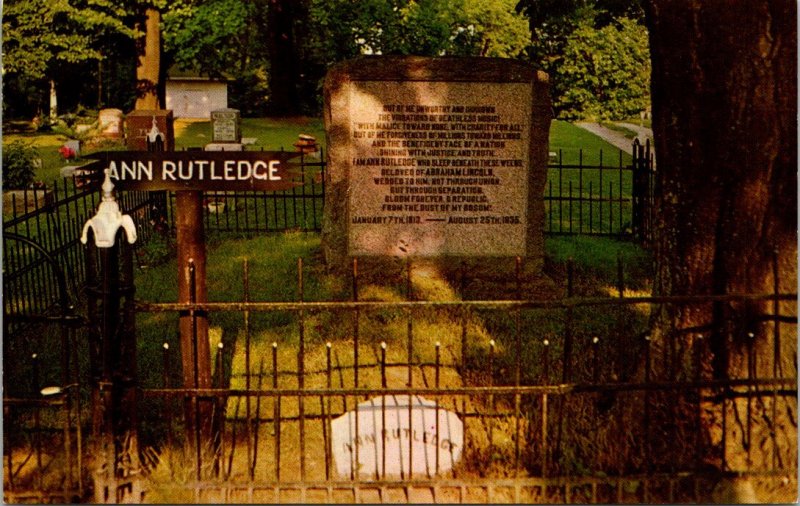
{"x": 397, "y": 435}
{"x": 225, "y": 126}
{"x": 432, "y": 157}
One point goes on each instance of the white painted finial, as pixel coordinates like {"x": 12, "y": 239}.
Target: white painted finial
{"x": 108, "y": 219}
{"x": 108, "y": 186}
{"x": 154, "y": 132}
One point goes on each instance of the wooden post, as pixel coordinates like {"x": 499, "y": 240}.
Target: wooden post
{"x": 191, "y": 247}
{"x": 262, "y": 170}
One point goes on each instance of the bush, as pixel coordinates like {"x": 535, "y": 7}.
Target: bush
{"x": 19, "y": 161}
{"x": 603, "y": 73}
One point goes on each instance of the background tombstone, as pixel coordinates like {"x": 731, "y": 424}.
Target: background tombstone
{"x": 226, "y": 125}
{"x": 435, "y": 157}
{"x": 139, "y": 123}
{"x": 110, "y": 123}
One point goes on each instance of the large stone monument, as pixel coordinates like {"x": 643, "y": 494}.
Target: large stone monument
{"x": 435, "y": 157}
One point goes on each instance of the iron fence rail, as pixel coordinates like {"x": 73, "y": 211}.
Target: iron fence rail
{"x": 577, "y": 200}
{"x": 571, "y": 302}
{"x": 635, "y": 489}
{"x": 55, "y": 226}
{"x": 513, "y": 419}
{"x": 526, "y": 415}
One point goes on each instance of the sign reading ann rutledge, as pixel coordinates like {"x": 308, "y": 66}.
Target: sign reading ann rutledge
{"x": 207, "y": 170}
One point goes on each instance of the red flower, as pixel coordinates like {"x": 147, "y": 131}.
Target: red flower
{"x": 67, "y": 152}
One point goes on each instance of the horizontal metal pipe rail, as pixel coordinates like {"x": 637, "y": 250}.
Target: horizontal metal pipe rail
{"x": 571, "y": 302}
{"x": 497, "y": 390}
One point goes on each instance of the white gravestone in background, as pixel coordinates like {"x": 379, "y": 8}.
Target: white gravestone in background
{"x": 409, "y": 445}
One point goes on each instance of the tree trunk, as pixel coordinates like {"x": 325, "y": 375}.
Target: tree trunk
{"x": 724, "y": 117}
{"x": 283, "y": 73}
{"x": 147, "y": 70}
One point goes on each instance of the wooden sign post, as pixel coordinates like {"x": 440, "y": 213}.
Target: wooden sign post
{"x": 190, "y": 173}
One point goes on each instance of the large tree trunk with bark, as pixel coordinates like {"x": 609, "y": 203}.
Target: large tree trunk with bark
{"x": 284, "y": 76}
{"x": 147, "y": 70}
{"x": 724, "y": 97}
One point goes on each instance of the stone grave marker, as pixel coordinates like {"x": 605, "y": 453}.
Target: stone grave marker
{"x": 139, "y": 124}
{"x": 110, "y": 123}
{"x": 392, "y": 443}
{"x": 435, "y": 157}
{"x": 226, "y": 126}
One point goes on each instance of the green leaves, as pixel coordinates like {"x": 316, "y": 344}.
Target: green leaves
{"x": 603, "y": 73}
{"x": 38, "y": 33}
{"x": 213, "y": 37}
{"x": 344, "y": 28}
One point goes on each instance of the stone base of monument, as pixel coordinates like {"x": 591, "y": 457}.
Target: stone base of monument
{"x": 24, "y": 201}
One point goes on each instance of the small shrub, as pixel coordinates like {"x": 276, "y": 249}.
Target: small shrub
{"x": 19, "y": 161}
{"x": 156, "y": 250}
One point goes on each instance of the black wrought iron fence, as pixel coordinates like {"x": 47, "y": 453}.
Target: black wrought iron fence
{"x": 572, "y": 412}
{"x": 610, "y": 197}
{"x": 55, "y": 224}
{"x": 559, "y": 400}
{"x": 299, "y": 208}
{"x": 601, "y": 199}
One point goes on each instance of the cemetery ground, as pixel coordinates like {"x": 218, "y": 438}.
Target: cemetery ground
{"x": 272, "y": 259}
{"x": 272, "y": 267}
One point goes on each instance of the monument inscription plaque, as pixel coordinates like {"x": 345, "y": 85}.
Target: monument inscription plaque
{"x": 435, "y": 156}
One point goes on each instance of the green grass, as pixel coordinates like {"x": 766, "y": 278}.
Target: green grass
{"x": 270, "y": 133}
{"x": 648, "y": 123}
{"x": 570, "y": 140}
{"x": 627, "y": 132}
{"x": 47, "y": 146}
{"x": 273, "y": 276}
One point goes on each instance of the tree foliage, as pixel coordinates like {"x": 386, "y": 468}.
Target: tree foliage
{"x": 38, "y": 34}
{"x": 217, "y": 37}
{"x": 222, "y": 39}
{"x": 576, "y": 40}
{"x": 603, "y": 73}
{"x": 573, "y": 40}
{"x": 346, "y": 28}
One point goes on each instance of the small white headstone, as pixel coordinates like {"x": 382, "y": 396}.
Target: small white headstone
{"x": 409, "y": 443}
{"x": 68, "y": 170}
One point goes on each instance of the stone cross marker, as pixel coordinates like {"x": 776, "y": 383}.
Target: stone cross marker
{"x": 435, "y": 157}
{"x": 397, "y": 434}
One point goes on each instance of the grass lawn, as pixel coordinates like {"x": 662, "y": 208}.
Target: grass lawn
{"x": 47, "y": 146}
{"x": 274, "y": 134}
{"x": 273, "y": 277}
{"x": 270, "y": 133}
{"x": 571, "y": 140}
{"x": 627, "y": 132}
